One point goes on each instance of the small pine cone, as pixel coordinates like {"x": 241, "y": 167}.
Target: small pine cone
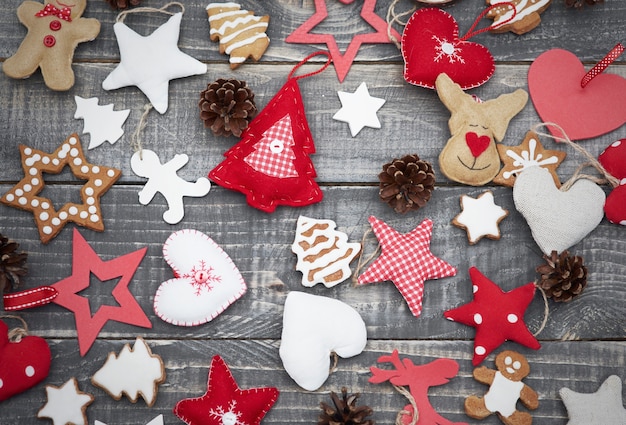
{"x": 12, "y": 264}
{"x": 563, "y": 277}
{"x": 578, "y": 4}
{"x": 123, "y": 4}
{"x": 407, "y": 183}
{"x": 227, "y": 106}
{"x": 344, "y": 411}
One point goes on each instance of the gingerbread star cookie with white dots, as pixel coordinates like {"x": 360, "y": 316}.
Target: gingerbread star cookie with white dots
{"x": 24, "y": 195}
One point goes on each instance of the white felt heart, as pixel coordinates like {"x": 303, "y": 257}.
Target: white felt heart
{"x": 557, "y": 219}
{"x": 206, "y": 280}
{"x": 313, "y": 328}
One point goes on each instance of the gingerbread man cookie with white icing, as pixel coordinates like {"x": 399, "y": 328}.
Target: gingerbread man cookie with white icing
{"x": 54, "y": 30}
{"x": 523, "y": 19}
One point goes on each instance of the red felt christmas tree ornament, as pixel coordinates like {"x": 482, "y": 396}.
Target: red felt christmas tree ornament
{"x": 271, "y": 163}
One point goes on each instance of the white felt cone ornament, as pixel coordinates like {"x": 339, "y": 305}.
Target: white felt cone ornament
{"x": 557, "y": 218}
{"x": 313, "y": 328}
{"x": 206, "y": 280}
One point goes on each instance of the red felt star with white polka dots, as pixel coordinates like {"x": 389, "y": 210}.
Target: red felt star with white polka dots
{"x": 224, "y": 402}
{"x": 498, "y": 316}
{"x": 406, "y": 260}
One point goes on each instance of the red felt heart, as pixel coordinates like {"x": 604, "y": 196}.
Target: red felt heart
{"x": 554, "y": 84}
{"x": 613, "y": 159}
{"x": 431, "y": 46}
{"x": 477, "y": 144}
{"x": 23, "y": 364}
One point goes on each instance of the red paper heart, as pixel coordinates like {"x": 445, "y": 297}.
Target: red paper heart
{"x": 477, "y": 144}
{"x": 23, "y": 364}
{"x": 431, "y": 46}
{"x": 554, "y": 84}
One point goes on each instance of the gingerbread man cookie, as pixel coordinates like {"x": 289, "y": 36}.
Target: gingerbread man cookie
{"x": 505, "y": 388}
{"x": 524, "y": 18}
{"x": 54, "y": 31}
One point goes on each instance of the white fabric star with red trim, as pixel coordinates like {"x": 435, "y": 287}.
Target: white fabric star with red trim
{"x": 406, "y": 260}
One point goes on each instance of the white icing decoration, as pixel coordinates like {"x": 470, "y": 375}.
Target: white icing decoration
{"x": 527, "y": 159}
{"x": 503, "y": 395}
{"x": 480, "y": 217}
{"x": 523, "y": 9}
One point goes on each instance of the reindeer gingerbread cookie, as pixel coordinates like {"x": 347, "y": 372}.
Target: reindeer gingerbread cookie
{"x": 505, "y": 389}
{"x": 470, "y": 155}
{"x": 54, "y": 30}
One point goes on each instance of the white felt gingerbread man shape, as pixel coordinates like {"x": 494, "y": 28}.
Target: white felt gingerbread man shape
{"x": 163, "y": 178}
{"x": 54, "y": 30}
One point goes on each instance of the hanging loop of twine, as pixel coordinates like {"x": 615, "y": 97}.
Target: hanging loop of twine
{"x": 546, "y": 310}
{"x": 16, "y": 334}
{"x": 122, "y": 15}
{"x": 135, "y": 138}
{"x": 333, "y": 367}
{"x": 360, "y": 263}
{"x": 395, "y": 18}
{"x": 305, "y": 60}
{"x": 592, "y": 161}
{"x": 403, "y": 412}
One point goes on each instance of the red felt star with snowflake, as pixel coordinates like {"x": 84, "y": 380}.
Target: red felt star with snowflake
{"x": 406, "y": 260}
{"x": 85, "y": 262}
{"x": 342, "y": 62}
{"x": 224, "y": 402}
{"x": 498, "y": 316}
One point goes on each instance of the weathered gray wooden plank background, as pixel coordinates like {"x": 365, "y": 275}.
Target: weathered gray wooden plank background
{"x": 583, "y": 343}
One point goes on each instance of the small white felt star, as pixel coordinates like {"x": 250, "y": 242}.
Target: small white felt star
{"x": 602, "y": 407}
{"x": 151, "y": 62}
{"x": 101, "y": 121}
{"x": 359, "y": 109}
{"x": 480, "y": 217}
{"x": 66, "y": 404}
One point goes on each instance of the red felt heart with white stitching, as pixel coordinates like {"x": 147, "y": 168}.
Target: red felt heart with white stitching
{"x": 23, "y": 363}
{"x": 431, "y": 46}
{"x": 613, "y": 159}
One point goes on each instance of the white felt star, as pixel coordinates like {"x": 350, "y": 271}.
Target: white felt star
{"x": 101, "y": 122}
{"x": 151, "y": 62}
{"x": 359, "y": 109}
{"x": 66, "y": 404}
{"x": 480, "y": 217}
{"x": 156, "y": 421}
{"x": 602, "y": 407}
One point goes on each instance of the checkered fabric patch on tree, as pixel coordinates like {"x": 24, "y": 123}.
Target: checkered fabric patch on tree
{"x": 274, "y": 152}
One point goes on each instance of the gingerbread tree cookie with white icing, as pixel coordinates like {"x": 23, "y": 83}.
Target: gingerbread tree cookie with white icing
{"x": 524, "y": 18}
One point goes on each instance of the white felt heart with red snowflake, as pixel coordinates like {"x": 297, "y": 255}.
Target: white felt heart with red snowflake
{"x": 205, "y": 283}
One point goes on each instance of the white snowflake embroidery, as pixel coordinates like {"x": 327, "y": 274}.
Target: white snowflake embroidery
{"x": 228, "y": 417}
{"x": 527, "y": 159}
{"x": 450, "y": 50}
{"x": 202, "y": 277}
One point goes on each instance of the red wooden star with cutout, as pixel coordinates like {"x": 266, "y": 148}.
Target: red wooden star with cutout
{"x": 498, "y": 316}
{"x": 224, "y": 402}
{"x": 406, "y": 260}
{"x": 342, "y": 62}
{"x": 85, "y": 261}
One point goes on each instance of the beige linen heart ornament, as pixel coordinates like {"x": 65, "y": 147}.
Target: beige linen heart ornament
{"x": 557, "y": 218}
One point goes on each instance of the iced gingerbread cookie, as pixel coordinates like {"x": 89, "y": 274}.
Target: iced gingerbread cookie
{"x": 324, "y": 254}
{"x": 480, "y": 217}
{"x": 54, "y": 31}
{"x": 240, "y": 33}
{"x": 526, "y": 15}
{"x": 66, "y": 404}
{"x": 134, "y": 372}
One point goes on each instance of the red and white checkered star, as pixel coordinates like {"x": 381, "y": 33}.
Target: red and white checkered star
{"x": 406, "y": 260}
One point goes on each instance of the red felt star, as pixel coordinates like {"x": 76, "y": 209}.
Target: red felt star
{"x": 406, "y": 260}
{"x": 224, "y": 402}
{"x": 498, "y": 316}
{"x": 85, "y": 261}
{"x": 343, "y": 62}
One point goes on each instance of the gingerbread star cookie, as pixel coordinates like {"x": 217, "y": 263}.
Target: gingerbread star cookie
{"x": 54, "y": 31}
{"x": 480, "y": 217}
{"x": 528, "y": 154}
{"x": 66, "y": 404}
{"x": 24, "y": 195}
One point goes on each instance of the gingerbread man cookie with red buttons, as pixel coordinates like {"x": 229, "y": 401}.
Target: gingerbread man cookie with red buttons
{"x": 55, "y": 28}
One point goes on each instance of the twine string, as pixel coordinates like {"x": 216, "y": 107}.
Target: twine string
{"x": 122, "y": 15}
{"x": 546, "y": 310}
{"x": 395, "y": 18}
{"x": 360, "y": 263}
{"x": 135, "y": 138}
{"x": 403, "y": 412}
{"x": 16, "y": 334}
{"x": 305, "y": 60}
{"x": 333, "y": 367}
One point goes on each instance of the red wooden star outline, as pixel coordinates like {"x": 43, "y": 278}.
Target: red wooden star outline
{"x": 342, "y": 62}
{"x": 406, "y": 260}
{"x": 498, "y": 316}
{"x": 224, "y": 402}
{"x": 84, "y": 262}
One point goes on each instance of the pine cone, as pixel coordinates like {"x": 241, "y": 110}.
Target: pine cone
{"x": 578, "y": 4}
{"x": 563, "y": 277}
{"x": 123, "y": 4}
{"x": 227, "y": 106}
{"x": 407, "y": 183}
{"x": 12, "y": 264}
{"x": 345, "y": 411}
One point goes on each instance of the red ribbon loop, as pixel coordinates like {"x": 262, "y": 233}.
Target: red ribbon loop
{"x": 610, "y": 57}
{"x": 29, "y": 298}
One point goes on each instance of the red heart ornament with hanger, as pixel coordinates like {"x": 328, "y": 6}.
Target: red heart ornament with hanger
{"x": 613, "y": 159}
{"x": 431, "y": 45}
{"x": 584, "y": 104}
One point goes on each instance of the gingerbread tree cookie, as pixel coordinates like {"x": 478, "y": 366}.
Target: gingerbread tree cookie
{"x": 520, "y": 19}
{"x": 240, "y": 33}
{"x": 52, "y": 37}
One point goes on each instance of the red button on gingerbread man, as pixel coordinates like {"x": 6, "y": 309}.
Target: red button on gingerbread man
{"x": 54, "y": 30}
